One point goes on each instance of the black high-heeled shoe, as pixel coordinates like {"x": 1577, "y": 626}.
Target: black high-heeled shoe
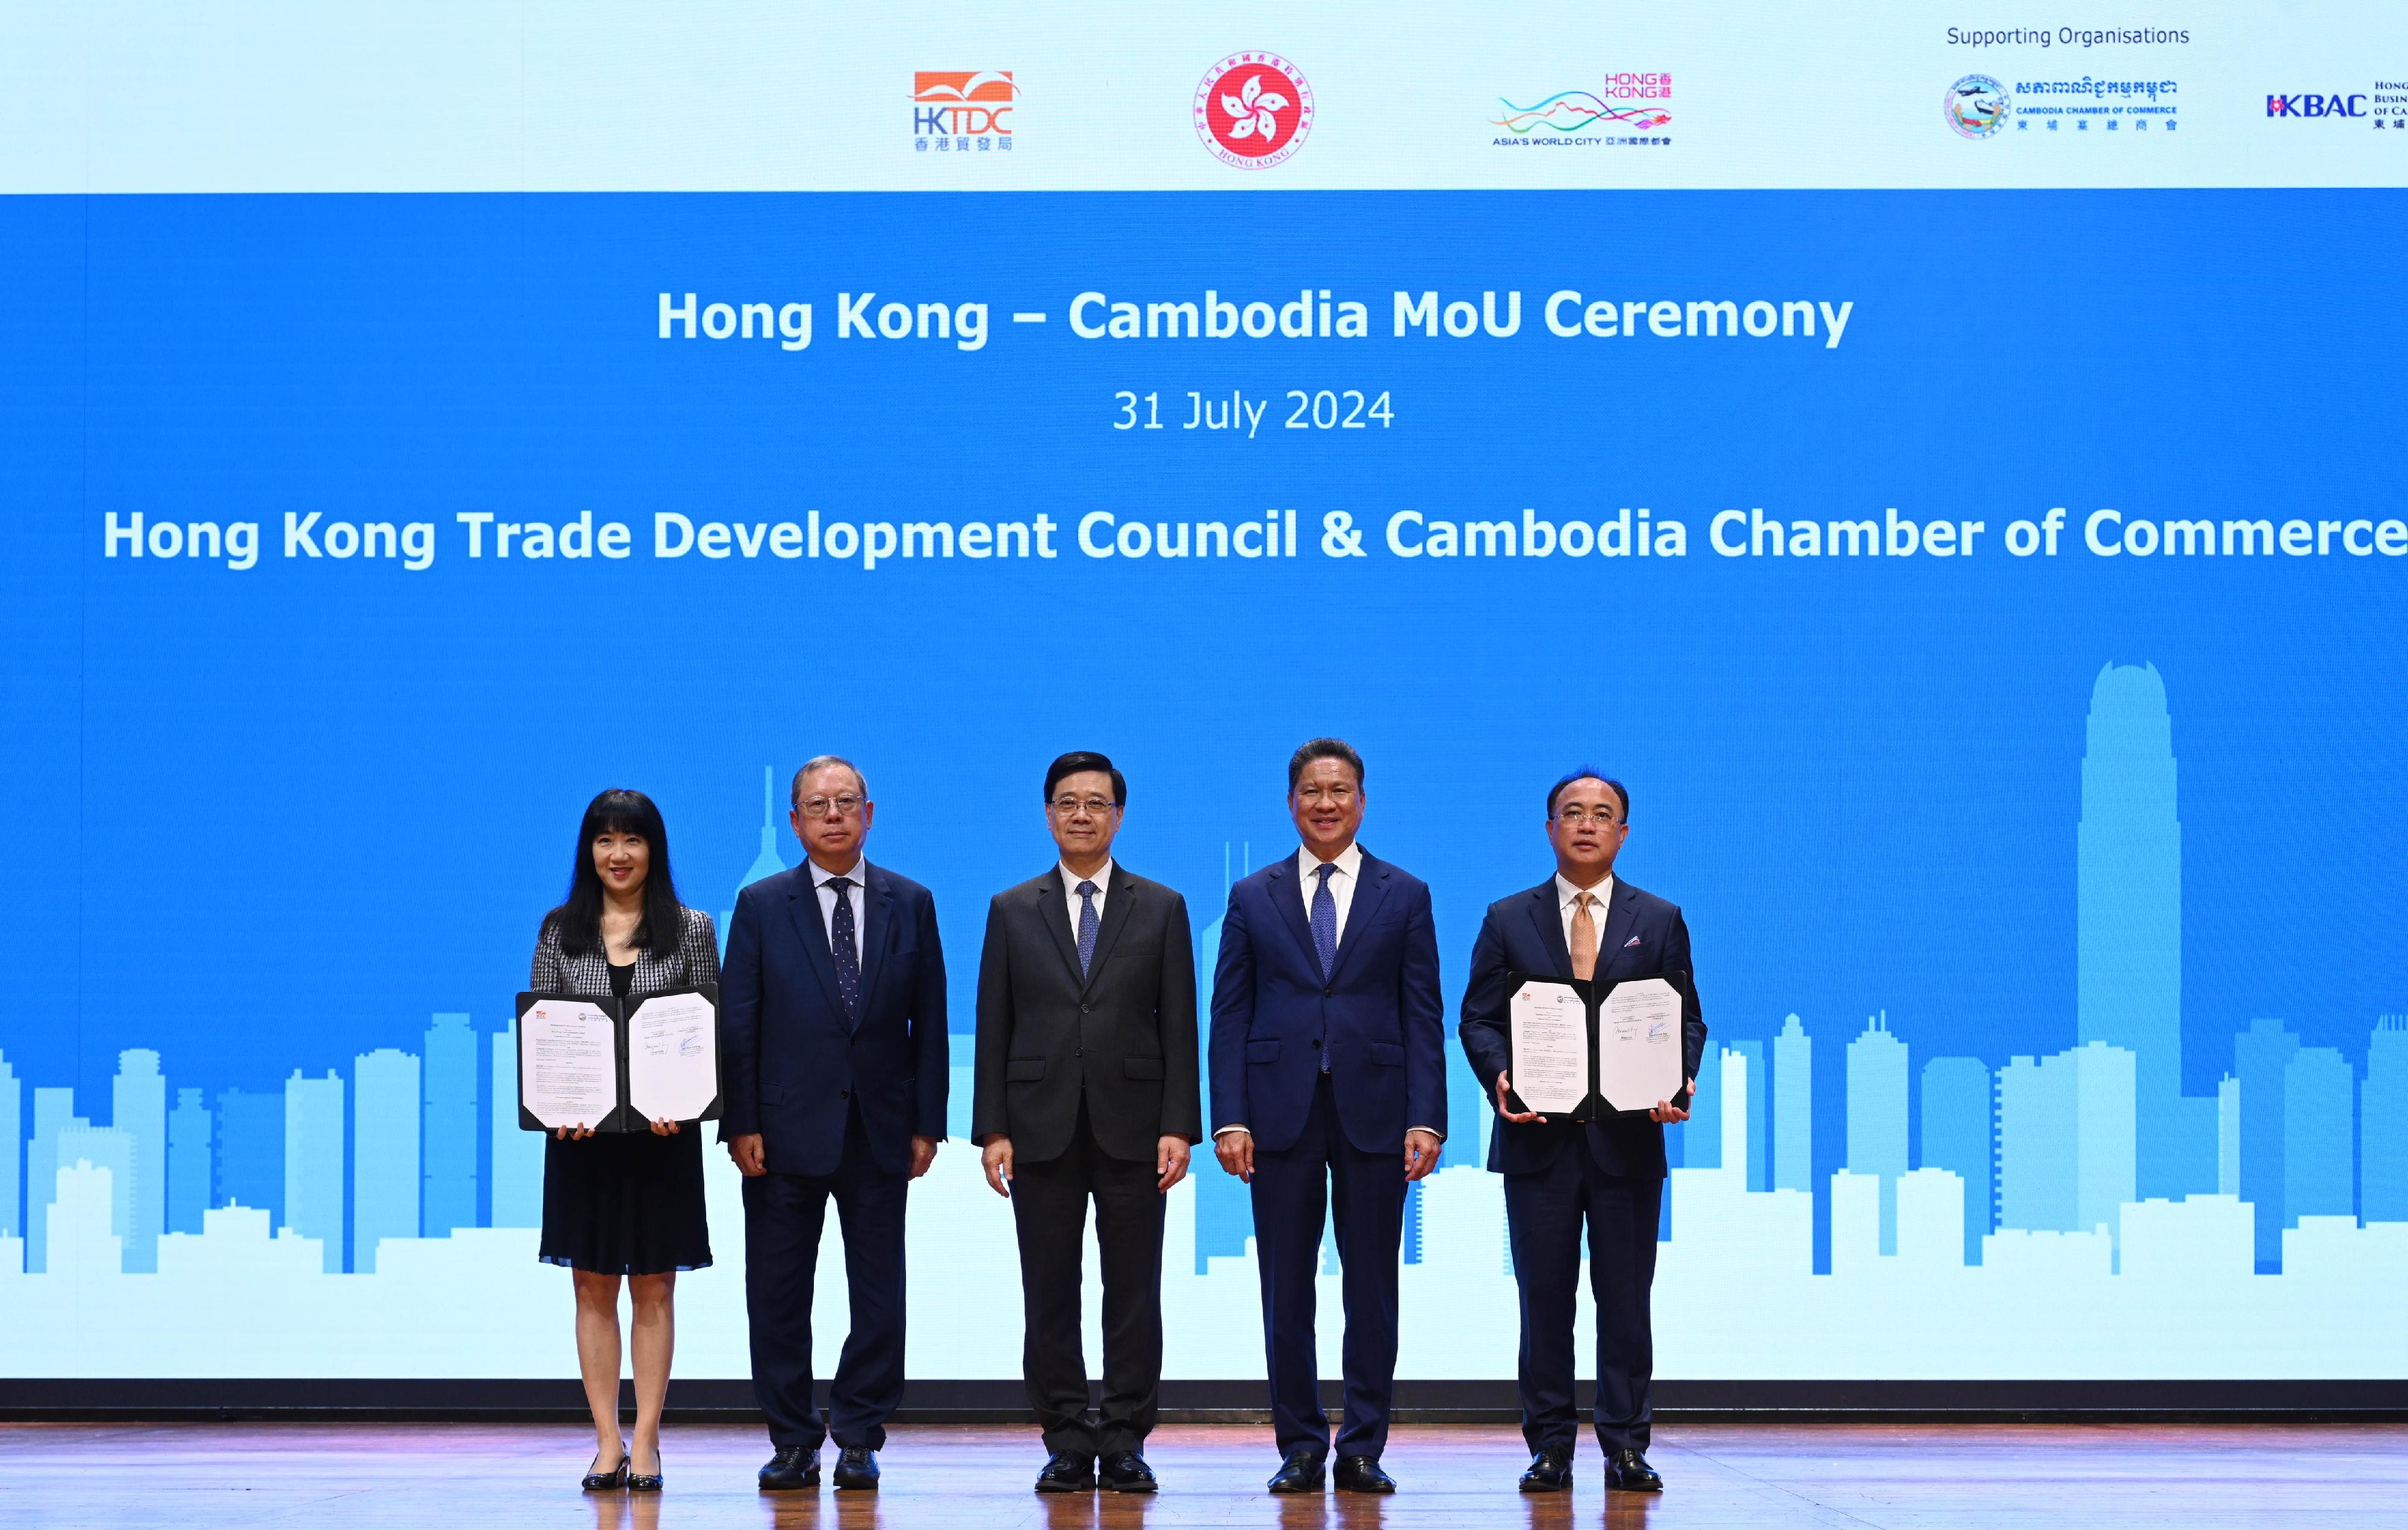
{"x": 606, "y": 1482}
{"x": 649, "y": 1482}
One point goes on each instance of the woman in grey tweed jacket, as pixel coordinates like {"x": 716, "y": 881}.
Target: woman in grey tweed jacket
{"x": 629, "y": 1204}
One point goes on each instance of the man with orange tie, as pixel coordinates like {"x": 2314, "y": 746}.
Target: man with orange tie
{"x": 1582, "y": 922}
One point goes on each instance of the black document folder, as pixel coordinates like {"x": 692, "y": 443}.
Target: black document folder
{"x": 613, "y": 1064}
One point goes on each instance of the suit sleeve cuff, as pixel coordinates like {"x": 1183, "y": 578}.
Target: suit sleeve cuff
{"x": 1431, "y": 1130}
{"x": 1226, "y": 1130}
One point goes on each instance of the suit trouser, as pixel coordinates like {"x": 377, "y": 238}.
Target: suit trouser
{"x": 1048, "y": 1209}
{"x": 783, "y": 1214}
{"x": 1543, "y": 1213}
{"x": 1293, "y": 1189}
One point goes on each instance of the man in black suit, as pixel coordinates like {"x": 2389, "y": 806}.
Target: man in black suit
{"x": 832, "y": 1037}
{"x": 1086, "y": 1088}
{"x": 1328, "y": 1098}
{"x": 1582, "y": 922}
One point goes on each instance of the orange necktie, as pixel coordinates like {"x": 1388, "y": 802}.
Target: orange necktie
{"x": 1584, "y": 938}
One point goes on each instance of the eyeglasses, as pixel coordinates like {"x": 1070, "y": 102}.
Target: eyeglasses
{"x": 1577, "y": 816}
{"x": 1096, "y": 806}
{"x": 818, "y": 806}
{"x": 1317, "y": 794}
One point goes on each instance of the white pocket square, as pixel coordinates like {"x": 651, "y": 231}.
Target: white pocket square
{"x": 1632, "y": 941}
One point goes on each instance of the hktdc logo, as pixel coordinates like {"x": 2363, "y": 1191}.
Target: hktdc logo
{"x": 959, "y": 108}
{"x": 1253, "y": 110}
{"x": 2315, "y": 105}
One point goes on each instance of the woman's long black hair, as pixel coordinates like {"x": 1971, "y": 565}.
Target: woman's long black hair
{"x": 620, "y": 812}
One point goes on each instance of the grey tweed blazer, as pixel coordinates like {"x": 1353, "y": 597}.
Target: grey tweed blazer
{"x": 695, "y": 960}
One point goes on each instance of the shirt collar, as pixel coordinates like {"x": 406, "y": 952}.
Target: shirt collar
{"x": 1565, "y": 891}
{"x": 1071, "y": 880}
{"x": 1348, "y": 862}
{"x": 821, "y": 876}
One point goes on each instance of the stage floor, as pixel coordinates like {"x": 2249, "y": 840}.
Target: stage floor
{"x": 2060, "y": 1477}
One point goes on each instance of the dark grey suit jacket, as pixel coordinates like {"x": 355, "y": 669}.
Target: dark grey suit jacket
{"x": 1124, "y": 1036}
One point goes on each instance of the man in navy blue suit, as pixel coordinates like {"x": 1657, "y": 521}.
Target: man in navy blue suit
{"x": 1328, "y": 1058}
{"x": 1582, "y": 922}
{"x": 832, "y": 1034}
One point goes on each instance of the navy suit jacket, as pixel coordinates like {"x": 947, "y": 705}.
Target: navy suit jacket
{"x": 794, "y": 1064}
{"x": 1379, "y": 1017}
{"x": 1644, "y": 937}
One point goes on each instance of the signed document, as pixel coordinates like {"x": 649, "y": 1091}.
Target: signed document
{"x": 673, "y": 1057}
{"x": 1549, "y": 1047}
{"x": 1639, "y": 1044}
{"x": 568, "y": 1064}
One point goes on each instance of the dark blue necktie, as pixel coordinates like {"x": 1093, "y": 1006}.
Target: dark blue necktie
{"x": 1086, "y": 891}
{"x": 1324, "y": 921}
{"x": 846, "y": 949}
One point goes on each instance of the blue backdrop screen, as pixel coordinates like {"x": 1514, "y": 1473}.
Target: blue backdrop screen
{"x": 1993, "y": 601}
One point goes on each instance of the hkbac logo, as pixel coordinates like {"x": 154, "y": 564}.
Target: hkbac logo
{"x": 1253, "y": 110}
{"x": 1977, "y": 106}
{"x": 2315, "y": 105}
{"x": 968, "y": 110}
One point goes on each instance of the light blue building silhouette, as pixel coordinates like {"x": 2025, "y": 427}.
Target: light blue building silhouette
{"x": 1877, "y": 1071}
{"x": 1225, "y": 1211}
{"x": 517, "y": 1155}
{"x": 1958, "y": 1114}
{"x": 2127, "y": 960}
{"x": 1792, "y": 1108}
{"x": 2382, "y": 1123}
{"x": 251, "y": 1151}
{"x": 314, "y": 1161}
{"x": 385, "y": 1153}
{"x": 112, "y": 1148}
{"x": 12, "y": 1148}
{"x": 53, "y": 1113}
{"x": 767, "y": 864}
{"x": 139, "y": 1108}
{"x": 189, "y": 1177}
{"x": 2261, "y": 1055}
{"x": 1699, "y": 1139}
{"x": 449, "y": 1143}
{"x": 2066, "y": 1139}
{"x": 1759, "y": 1140}
{"x": 2319, "y": 1110}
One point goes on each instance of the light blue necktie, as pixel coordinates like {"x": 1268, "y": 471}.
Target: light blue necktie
{"x": 1086, "y": 891}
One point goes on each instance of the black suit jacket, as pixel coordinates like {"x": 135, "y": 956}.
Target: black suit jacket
{"x": 794, "y": 1064}
{"x": 1124, "y": 1036}
{"x": 1644, "y": 937}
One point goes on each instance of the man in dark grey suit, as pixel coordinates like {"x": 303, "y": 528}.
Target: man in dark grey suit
{"x": 1085, "y": 1087}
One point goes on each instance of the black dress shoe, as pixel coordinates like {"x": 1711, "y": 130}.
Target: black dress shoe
{"x": 1551, "y": 1471}
{"x": 792, "y": 1468}
{"x": 1125, "y": 1471}
{"x": 644, "y": 1481}
{"x": 1629, "y": 1471}
{"x": 856, "y": 1466}
{"x": 1067, "y": 1472}
{"x": 1362, "y": 1474}
{"x": 606, "y": 1482}
{"x": 1301, "y": 1472}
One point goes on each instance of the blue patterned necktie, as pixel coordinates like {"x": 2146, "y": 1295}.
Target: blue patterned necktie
{"x": 1324, "y": 921}
{"x": 1086, "y": 891}
{"x": 846, "y": 949}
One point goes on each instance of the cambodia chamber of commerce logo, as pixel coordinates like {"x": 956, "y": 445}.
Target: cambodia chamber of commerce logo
{"x": 1633, "y": 109}
{"x": 962, "y": 110}
{"x": 1977, "y": 106}
{"x": 1253, "y": 110}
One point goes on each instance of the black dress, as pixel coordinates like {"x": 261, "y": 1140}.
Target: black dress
{"x": 626, "y": 1203}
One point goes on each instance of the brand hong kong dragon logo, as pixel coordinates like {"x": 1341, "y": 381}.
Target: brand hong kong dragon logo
{"x": 1253, "y": 110}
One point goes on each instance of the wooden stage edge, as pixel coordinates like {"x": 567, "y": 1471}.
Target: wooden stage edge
{"x": 1718, "y": 1476}
{"x": 1431, "y": 1402}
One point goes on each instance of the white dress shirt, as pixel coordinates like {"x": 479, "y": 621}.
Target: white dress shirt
{"x": 1070, "y": 880}
{"x": 821, "y": 876}
{"x": 1341, "y": 882}
{"x": 1567, "y": 904}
